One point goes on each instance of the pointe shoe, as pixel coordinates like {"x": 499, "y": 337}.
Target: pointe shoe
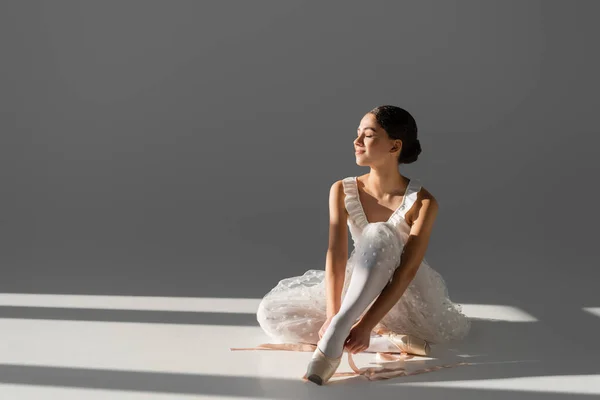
{"x": 410, "y": 344}
{"x": 321, "y": 368}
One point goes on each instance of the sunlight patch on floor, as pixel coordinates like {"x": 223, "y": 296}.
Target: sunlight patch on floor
{"x": 148, "y": 303}
{"x": 209, "y": 305}
{"x": 9, "y": 391}
{"x": 497, "y": 312}
{"x": 132, "y": 346}
{"x": 593, "y": 310}
{"x": 568, "y": 384}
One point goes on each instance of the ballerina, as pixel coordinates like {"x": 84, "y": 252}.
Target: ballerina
{"x": 385, "y": 297}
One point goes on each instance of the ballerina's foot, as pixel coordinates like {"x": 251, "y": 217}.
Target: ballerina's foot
{"x": 321, "y": 368}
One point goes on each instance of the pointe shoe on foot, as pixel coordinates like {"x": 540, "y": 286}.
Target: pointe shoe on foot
{"x": 410, "y": 344}
{"x": 321, "y": 368}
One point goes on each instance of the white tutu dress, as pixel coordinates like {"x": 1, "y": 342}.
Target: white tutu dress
{"x": 295, "y": 309}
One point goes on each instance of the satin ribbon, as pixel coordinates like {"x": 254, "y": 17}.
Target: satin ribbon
{"x": 371, "y": 373}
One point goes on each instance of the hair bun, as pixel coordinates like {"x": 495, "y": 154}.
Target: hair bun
{"x": 414, "y": 146}
{"x": 417, "y": 145}
{"x": 411, "y": 153}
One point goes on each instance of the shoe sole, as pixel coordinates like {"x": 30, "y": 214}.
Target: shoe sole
{"x": 316, "y": 379}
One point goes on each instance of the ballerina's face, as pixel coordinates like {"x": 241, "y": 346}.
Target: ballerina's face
{"x": 372, "y": 144}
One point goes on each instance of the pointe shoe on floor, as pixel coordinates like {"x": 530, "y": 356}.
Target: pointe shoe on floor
{"x": 321, "y": 368}
{"x": 410, "y": 344}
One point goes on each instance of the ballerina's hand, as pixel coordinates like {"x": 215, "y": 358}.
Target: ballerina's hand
{"x": 359, "y": 338}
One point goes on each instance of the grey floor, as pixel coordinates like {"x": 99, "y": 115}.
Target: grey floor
{"x": 86, "y": 347}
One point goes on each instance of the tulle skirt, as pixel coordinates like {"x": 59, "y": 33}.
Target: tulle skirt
{"x": 295, "y": 309}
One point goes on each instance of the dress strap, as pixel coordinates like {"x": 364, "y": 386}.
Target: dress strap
{"x": 352, "y": 203}
{"x": 409, "y": 199}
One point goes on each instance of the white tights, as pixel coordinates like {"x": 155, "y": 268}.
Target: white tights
{"x": 377, "y": 256}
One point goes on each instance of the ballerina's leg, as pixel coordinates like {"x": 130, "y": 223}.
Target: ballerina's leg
{"x": 377, "y": 256}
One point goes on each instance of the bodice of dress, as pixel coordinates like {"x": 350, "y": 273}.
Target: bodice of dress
{"x": 357, "y": 219}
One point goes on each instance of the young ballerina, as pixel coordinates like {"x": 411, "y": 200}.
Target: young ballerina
{"x": 385, "y": 297}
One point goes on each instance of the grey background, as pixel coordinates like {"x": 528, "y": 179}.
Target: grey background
{"x": 186, "y": 148}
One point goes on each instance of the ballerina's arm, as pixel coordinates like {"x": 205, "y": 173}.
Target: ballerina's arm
{"x": 412, "y": 256}
{"x": 337, "y": 250}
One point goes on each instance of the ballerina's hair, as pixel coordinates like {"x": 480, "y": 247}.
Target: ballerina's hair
{"x": 399, "y": 124}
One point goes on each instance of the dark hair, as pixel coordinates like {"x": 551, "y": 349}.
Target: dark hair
{"x": 399, "y": 124}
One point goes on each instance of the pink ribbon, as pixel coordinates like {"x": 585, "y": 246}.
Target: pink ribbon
{"x": 371, "y": 373}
